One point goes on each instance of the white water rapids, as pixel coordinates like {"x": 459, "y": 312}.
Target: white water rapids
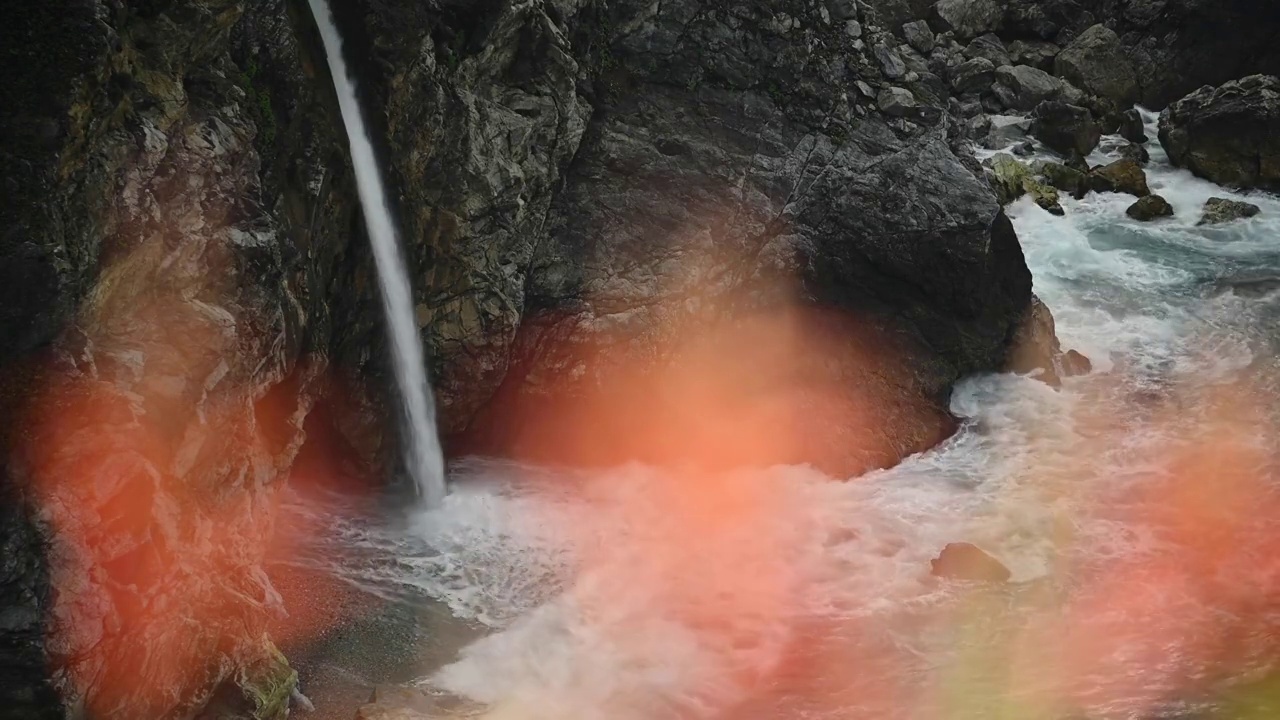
{"x": 795, "y": 595}
{"x": 424, "y": 459}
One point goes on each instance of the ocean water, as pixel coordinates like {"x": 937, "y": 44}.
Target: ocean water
{"x": 1134, "y": 508}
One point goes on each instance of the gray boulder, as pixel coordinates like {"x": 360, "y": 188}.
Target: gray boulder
{"x": 990, "y": 47}
{"x": 1230, "y": 134}
{"x": 1221, "y": 210}
{"x": 897, "y": 101}
{"x": 1096, "y": 62}
{"x": 919, "y": 36}
{"x": 1149, "y": 208}
{"x": 973, "y": 76}
{"x": 970, "y": 18}
{"x": 1068, "y": 129}
{"x": 1021, "y": 87}
{"x": 1038, "y": 54}
{"x": 891, "y": 63}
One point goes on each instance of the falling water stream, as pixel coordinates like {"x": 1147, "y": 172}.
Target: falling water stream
{"x": 1144, "y": 576}
{"x": 424, "y": 459}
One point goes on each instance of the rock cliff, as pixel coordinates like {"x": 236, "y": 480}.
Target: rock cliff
{"x": 585, "y": 186}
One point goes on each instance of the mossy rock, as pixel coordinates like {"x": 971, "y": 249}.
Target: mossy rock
{"x": 260, "y": 689}
{"x": 1008, "y": 177}
{"x": 1044, "y": 195}
{"x": 268, "y": 685}
{"x": 1068, "y": 180}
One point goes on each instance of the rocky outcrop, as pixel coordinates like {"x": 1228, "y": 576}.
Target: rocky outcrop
{"x": 1230, "y": 134}
{"x": 579, "y": 184}
{"x": 1176, "y": 47}
{"x": 163, "y": 380}
{"x": 1221, "y": 210}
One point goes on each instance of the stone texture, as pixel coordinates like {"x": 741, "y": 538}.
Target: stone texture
{"x": 1064, "y": 178}
{"x": 970, "y": 18}
{"x": 1221, "y": 210}
{"x": 1068, "y": 129}
{"x": 1096, "y": 62}
{"x": 1150, "y": 208}
{"x": 919, "y": 36}
{"x": 988, "y": 46}
{"x": 1021, "y": 87}
{"x": 1230, "y": 134}
{"x": 973, "y": 75}
{"x": 1124, "y": 176}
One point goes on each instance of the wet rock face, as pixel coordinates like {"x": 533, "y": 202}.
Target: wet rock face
{"x": 158, "y": 422}
{"x": 1096, "y": 62}
{"x": 1229, "y": 134}
{"x": 638, "y": 139}
{"x": 577, "y": 182}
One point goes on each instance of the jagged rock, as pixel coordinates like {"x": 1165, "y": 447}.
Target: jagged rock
{"x": 1066, "y": 179}
{"x": 1177, "y": 47}
{"x": 1008, "y": 176}
{"x": 1024, "y": 149}
{"x": 974, "y": 75}
{"x": 1131, "y": 127}
{"x": 1021, "y": 87}
{"x": 990, "y": 47}
{"x": 966, "y": 561}
{"x": 1038, "y": 54}
{"x": 1068, "y": 129}
{"x": 897, "y": 101}
{"x": 1125, "y": 176}
{"x": 891, "y": 63}
{"x": 1230, "y": 135}
{"x": 969, "y": 18}
{"x": 1045, "y": 196}
{"x": 916, "y": 63}
{"x": 1096, "y": 62}
{"x": 1221, "y": 210}
{"x": 969, "y": 109}
{"x": 1076, "y": 363}
{"x": 1150, "y": 208}
{"x": 919, "y": 36}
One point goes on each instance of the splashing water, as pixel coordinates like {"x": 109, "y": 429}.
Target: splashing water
{"x": 1136, "y": 508}
{"x": 424, "y": 458}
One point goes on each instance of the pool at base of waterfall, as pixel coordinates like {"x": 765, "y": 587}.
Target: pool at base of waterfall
{"x": 1132, "y": 507}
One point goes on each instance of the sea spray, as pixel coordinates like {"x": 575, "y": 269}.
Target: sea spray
{"x": 424, "y": 459}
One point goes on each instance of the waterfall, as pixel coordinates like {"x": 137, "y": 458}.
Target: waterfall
{"x": 424, "y": 458}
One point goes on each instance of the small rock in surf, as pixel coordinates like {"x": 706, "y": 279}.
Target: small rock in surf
{"x": 966, "y": 561}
